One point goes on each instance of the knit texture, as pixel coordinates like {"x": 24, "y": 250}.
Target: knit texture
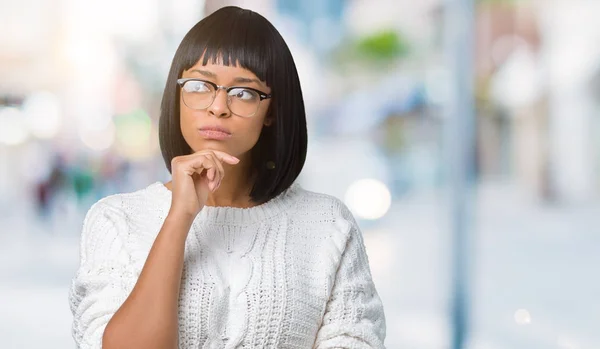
{"x": 290, "y": 273}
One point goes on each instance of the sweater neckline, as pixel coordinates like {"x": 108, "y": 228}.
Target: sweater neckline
{"x": 236, "y": 215}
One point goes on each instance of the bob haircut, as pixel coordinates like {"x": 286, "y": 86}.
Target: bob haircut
{"x": 237, "y": 37}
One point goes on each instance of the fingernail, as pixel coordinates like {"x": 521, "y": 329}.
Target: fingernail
{"x": 234, "y": 159}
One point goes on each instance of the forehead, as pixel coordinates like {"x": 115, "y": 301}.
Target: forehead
{"x": 221, "y": 70}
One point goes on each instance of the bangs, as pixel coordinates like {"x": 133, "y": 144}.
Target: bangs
{"x": 240, "y": 41}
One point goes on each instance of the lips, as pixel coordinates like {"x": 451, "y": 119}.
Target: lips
{"x": 214, "y": 132}
{"x": 215, "y": 128}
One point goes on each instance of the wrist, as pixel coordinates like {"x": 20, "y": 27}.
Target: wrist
{"x": 180, "y": 216}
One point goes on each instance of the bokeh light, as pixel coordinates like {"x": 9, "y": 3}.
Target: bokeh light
{"x": 522, "y": 317}
{"x": 13, "y": 130}
{"x": 98, "y": 139}
{"x": 42, "y": 113}
{"x": 368, "y": 198}
{"x": 133, "y": 135}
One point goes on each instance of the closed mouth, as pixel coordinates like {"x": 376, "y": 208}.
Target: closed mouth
{"x": 214, "y": 129}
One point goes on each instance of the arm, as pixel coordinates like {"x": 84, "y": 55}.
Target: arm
{"x": 354, "y": 317}
{"x": 113, "y": 310}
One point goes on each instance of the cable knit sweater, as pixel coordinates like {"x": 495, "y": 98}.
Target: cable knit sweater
{"x": 290, "y": 273}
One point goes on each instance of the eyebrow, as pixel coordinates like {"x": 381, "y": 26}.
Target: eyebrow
{"x": 205, "y": 73}
{"x": 239, "y": 79}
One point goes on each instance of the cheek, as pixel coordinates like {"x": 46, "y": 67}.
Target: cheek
{"x": 186, "y": 123}
{"x": 253, "y": 131}
{"x": 249, "y": 132}
{"x": 185, "y": 114}
{"x": 256, "y": 124}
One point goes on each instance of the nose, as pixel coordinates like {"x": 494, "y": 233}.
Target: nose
{"x": 219, "y": 107}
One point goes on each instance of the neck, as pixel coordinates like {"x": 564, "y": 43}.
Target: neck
{"x": 235, "y": 187}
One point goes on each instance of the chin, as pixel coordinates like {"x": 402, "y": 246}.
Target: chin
{"x": 214, "y": 145}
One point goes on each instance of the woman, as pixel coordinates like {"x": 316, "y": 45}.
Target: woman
{"x": 231, "y": 253}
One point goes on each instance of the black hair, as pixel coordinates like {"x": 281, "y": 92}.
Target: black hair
{"x": 238, "y": 37}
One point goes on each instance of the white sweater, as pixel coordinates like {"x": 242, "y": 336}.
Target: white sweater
{"x": 290, "y": 273}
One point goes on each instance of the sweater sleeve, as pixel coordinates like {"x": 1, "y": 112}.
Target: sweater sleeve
{"x": 104, "y": 278}
{"x": 354, "y": 317}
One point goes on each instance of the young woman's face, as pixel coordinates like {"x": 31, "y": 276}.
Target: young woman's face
{"x": 216, "y": 126}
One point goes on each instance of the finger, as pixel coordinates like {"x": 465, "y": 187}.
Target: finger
{"x": 220, "y": 175}
{"x": 214, "y": 179}
{"x": 211, "y": 174}
{"x": 191, "y": 168}
{"x": 210, "y": 163}
{"x": 222, "y": 156}
{"x": 220, "y": 172}
{"x": 201, "y": 165}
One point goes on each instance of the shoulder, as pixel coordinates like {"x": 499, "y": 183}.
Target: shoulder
{"x": 117, "y": 213}
{"x": 321, "y": 204}
{"x": 322, "y": 226}
{"x": 322, "y": 210}
{"x": 123, "y": 205}
{"x": 114, "y": 220}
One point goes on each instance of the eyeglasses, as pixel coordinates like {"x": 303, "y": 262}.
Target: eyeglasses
{"x": 200, "y": 94}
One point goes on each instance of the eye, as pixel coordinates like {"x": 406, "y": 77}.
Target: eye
{"x": 197, "y": 86}
{"x": 244, "y": 94}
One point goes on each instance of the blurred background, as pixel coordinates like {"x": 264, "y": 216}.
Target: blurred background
{"x": 80, "y": 88}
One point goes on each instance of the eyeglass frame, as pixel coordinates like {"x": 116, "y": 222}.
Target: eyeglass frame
{"x": 261, "y": 94}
